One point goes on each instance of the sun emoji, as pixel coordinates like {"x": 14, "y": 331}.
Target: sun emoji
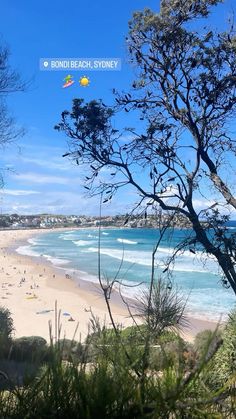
{"x": 84, "y": 81}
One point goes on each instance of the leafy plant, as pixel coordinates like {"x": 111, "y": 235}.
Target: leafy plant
{"x": 29, "y": 348}
{"x": 6, "y": 330}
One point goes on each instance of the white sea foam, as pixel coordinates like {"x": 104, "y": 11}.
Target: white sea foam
{"x": 142, "y": 258}
{"x": 27, "y": 251}
{"x": 69, "y": 237}
{"x": 183, "y": 268}
{"x": 170, "y": 250}
{"x": 105, "y": 234}
{"x": 33, "y": 241}
{"x": 92, "y": 236}
{"x": 126, "y": 241}
{"x": 133, "y": 290}
{"x": 75, "y": 273}
{"x": 183, "y": 264}
{"x": 56, "y": 261}
{"x": 128, "y": 291}
{"x": 82, "y": 242}
{"x": 69, "y": 232}
{"x": 87, "y": 277}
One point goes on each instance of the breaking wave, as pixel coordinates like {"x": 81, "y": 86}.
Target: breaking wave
{"x": 125, "y": 241}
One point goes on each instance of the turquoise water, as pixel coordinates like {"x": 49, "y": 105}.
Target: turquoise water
{"x": 127, "y": 253}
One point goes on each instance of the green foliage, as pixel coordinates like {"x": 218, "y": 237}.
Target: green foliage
{"x": 163, "y": 310}
{"x": 32, "y": 348}
{"x": 6, "y": 330}
{"x": 125, "y": 378}
{"x": 223, "y": 364}
{"x": 204, "y": 339}
{"x": 125, "y": 373}
{"x": 135, "y": 335}
{"x": 185, "y": 10}
{"x": 87, "y": 118}
{"x": 6, "y": 322}
{"x": 114, "y": 387}
{"x": 70, "y": 350}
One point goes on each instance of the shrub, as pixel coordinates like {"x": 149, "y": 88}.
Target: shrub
{"x": 111, "y": 388}
{"x": 32, "y": 348}
{"x": 70, "y": 350}
{"x": 163, "y": 310}
{"x": 203, "y": 340}
{"x": 223, "y": 364}
{"x": 6, "y": 330}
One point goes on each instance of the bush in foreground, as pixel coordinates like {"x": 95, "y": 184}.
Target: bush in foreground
{"x": 114, "y": 385}
{"x": 128, "y": 373}
{"x": 6, "y": 330}
{"x": 29, "y": 348}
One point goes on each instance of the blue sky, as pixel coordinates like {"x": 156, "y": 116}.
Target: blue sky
{"x": 39, "y": 179}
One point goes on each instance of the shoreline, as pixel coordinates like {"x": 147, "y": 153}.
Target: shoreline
{"x": 37, "y": 284}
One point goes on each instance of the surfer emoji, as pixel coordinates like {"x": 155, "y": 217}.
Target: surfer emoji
{"x": 68, "y": 81}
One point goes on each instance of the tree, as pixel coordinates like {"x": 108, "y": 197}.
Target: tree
{"x": 185, "y": 98}
{"x": 10, "y": 82}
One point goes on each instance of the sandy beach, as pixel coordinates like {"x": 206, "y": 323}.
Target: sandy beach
{"x": 30, "y": 286}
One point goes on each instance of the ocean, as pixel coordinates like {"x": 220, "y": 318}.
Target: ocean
{"x": 127, "y": 255}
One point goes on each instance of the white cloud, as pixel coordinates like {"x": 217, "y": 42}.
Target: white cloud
{"x": 18, "y": 192}
{"x": 55, "y": 164}
{"x": 52, "y": 202}
{"x": 204, "y": 204}
{"x": 60, "y": 202}
{"x": 42, "y": 179}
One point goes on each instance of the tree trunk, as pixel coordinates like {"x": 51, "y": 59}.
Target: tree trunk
{"x": 223, "y": 259}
